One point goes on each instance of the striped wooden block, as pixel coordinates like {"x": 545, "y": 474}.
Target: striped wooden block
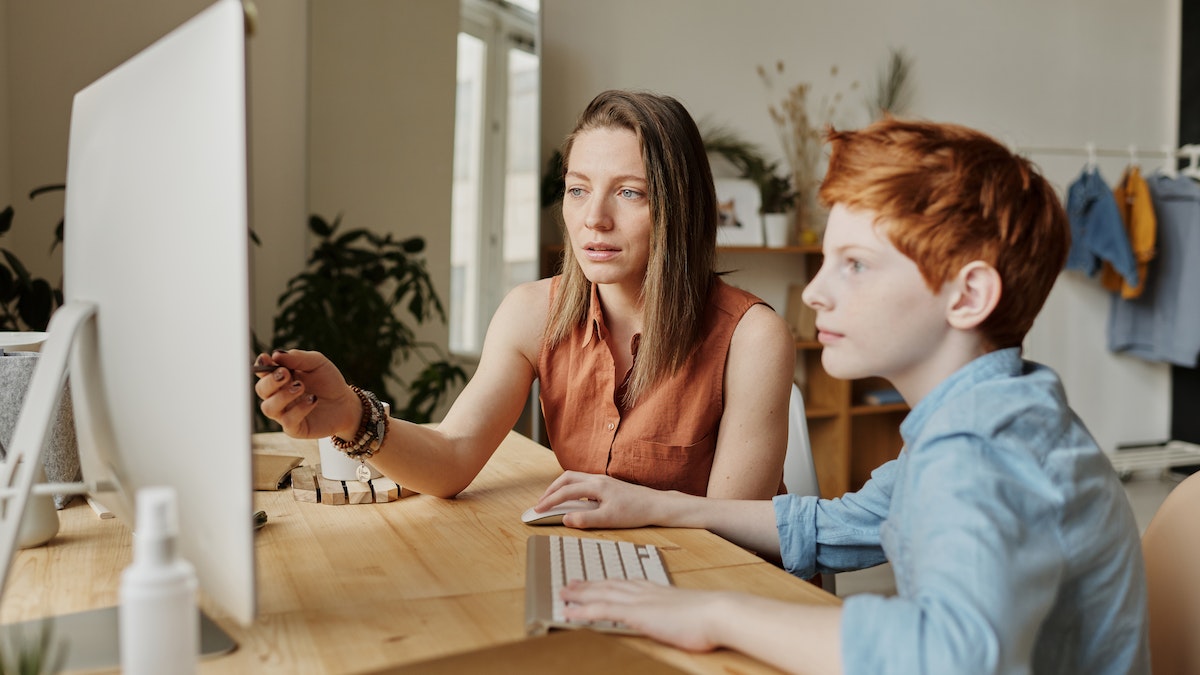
{"x": 308, "y": 485}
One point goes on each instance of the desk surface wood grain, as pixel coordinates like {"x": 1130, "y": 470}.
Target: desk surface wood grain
{"x": 344, "y": 589}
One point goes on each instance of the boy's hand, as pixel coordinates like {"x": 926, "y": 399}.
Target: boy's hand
{"x": 681, "y": 618}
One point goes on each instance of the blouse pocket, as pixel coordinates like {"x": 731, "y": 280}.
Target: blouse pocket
{"x": 665, "y": 467}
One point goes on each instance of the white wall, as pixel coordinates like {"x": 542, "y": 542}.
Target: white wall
{"x": 1032, "y": 73}
{"x": 381, "y": 127}
{"x": 53, "y": 48}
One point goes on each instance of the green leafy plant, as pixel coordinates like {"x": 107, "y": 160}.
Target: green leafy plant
{"x": 774, "y": 186}
{"x": 355, "y": 301}
{"x": 36, "y": 652}
{"x": 26, "y": 301}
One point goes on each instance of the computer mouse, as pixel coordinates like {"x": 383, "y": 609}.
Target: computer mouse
{"x": 554, "y": 515}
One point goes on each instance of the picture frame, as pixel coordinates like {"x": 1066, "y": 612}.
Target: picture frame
{"x": 738, "y": 202}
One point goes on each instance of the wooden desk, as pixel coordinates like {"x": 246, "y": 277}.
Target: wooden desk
{"x": 353, "y": 588}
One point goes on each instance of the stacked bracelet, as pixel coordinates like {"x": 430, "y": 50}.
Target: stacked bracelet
{"x": 371, "y": 430}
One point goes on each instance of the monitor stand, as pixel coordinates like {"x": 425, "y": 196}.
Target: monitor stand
{"x": 92, "y": 641}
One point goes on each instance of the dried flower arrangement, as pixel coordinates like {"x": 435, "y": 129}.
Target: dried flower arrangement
{"x": 893, "y": 86}
{"x": 801, "y": 130}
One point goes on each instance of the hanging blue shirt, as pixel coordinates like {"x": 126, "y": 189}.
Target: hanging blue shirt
{"x": 1097, "y": 231}
{"x": 1014, "y": 546}
{"x": 1161, "y": 324}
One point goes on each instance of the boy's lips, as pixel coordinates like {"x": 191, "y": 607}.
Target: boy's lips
{"x": 826, "y": 336}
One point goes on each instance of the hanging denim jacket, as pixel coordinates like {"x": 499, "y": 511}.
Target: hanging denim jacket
{"x": 1097, "y": 231}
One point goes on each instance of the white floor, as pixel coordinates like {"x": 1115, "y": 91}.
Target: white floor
{"x": 1145, "y": 491}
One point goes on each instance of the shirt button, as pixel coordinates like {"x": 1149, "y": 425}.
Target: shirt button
{"x": 611, "y": 426}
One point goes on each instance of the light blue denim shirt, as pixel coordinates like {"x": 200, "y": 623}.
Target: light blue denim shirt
{"x": 1013, "y": 544}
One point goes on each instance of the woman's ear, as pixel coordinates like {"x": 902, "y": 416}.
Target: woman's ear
{"x": 977, "y": 292}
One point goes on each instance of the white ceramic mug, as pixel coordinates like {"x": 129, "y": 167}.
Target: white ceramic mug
{"x": 335, "y": 465}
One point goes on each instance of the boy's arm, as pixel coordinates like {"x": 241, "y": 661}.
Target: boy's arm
{"x": 791, "y": 636}
{"x": 978, "y": 566}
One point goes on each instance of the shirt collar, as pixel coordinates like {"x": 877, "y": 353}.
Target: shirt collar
{"x": 1000, "y": 363}
{"x": 595, "y": 316}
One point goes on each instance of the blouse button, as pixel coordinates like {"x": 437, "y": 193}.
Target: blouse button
{"x": 611, "y": 426}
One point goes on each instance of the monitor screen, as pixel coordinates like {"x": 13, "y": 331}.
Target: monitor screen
{"x": 156, "y": 317}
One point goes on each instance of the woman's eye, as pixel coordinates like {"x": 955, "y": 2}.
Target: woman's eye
{"x": 629, "y": 193}
{"x": 575, "y": 192}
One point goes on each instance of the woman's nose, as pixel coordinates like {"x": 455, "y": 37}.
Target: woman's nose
{"x": 597, "y": 216}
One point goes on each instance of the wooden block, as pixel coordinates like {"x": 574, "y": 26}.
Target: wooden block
{"x": 308, "y": 485}
{"x": 332, "y": 491}
{"x": 304, "y": 484}
{"x": 386, "y": 490}
{"x": 358, "y": 493}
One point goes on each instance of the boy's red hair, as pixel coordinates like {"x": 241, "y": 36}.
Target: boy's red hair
{"x": 947, "y": 195}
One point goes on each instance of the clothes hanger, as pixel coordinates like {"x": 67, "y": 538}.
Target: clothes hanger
{"x": 1169, "y": 167}
{"x": 1090, "y": 149}
{"x": 1192, "y": 170}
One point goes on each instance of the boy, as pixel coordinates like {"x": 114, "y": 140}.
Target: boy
{"x": 1012, "y": 542}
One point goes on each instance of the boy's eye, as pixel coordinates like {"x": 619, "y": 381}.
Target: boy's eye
{"x": 854, "y": 265}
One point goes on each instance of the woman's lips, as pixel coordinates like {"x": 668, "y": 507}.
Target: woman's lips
{"x": 600, "y": 252}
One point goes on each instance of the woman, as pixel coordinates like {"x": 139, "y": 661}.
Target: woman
{"x": 652, "y": 369}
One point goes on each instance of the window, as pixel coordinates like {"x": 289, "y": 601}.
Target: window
{"x": 495, "y": 212}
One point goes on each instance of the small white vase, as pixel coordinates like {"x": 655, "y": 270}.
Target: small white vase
{"x": 775, "y": 226}
{"x": 39, "y": 522}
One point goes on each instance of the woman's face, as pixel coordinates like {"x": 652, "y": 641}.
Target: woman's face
{"x": 606, "y": 207}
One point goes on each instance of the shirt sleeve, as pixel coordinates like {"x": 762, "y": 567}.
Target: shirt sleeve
{"x": 980, "y": 564}
{"x": 834, "y": 535}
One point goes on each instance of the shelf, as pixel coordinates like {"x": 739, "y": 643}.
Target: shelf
{"x": 816, "y": 413}
{"x": 878, "y": 409}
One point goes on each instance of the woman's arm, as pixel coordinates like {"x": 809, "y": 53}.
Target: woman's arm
{"x": 752, "y": 439}
{"x": 749, "y": 523}
{"x": 312, "y": 400}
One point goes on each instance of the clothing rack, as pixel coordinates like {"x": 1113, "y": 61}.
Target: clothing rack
{"x": 1191, "y": 152}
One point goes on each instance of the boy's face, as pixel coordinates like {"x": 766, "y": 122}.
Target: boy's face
{"x": 875, "y": 314}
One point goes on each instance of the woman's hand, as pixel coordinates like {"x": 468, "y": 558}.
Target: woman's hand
{"x": 621, "y": 504}
{"x": 307, "y": 395}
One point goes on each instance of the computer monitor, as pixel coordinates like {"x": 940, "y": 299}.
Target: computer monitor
{"x": 156, "y": 319}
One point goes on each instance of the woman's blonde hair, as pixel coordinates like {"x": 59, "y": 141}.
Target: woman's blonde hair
{"x": 683, "y": 207}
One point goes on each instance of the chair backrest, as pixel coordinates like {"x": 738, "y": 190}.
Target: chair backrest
{"x": 799, "y": 472}
{"x": 1171, "y": 547}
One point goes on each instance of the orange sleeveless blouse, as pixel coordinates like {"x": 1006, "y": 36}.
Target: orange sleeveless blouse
{"x": 668, "y": 439}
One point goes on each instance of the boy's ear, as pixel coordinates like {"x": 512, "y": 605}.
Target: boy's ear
{"x": 977, "y": 291}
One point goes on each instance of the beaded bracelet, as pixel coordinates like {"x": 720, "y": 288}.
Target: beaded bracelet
{"x": 371, "y": 429}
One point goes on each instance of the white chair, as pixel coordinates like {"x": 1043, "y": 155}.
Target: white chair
{"x": 1171, "y": 548}
{"x": 799, "y": 470}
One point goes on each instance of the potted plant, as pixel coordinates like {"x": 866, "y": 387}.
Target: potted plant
{"x": 355, "y": 302}
{"x": 26, "y": 301}
{"x": 776, "y": 194}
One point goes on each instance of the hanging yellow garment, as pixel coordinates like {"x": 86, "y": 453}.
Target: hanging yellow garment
{"x": 1137, "y": 211}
